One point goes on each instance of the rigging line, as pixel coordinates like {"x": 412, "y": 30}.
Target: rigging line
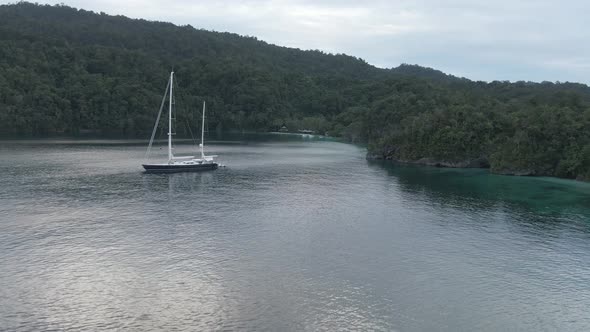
{"x": 181, "y": 100}
{"x": 191, "y": 132}
{"x": 147, "y": 153}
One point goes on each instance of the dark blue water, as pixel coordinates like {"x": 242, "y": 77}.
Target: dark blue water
{"x": 295, "y": 234}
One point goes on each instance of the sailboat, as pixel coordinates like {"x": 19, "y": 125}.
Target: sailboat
{"x": 179, "y": 163}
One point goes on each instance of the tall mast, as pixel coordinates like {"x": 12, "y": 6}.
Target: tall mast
{"x": 170, "y": 120}
{"x": 203, "y": 133}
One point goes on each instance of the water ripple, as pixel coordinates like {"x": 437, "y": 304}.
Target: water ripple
{"x": 293, "y": 235}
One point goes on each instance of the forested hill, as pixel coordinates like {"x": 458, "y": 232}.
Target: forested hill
{"x": 65, "y": 71}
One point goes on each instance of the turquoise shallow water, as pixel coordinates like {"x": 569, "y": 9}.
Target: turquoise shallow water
{"x": 295, "y": 234}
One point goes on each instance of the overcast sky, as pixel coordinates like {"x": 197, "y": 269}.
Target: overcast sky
{"x": 482, "y": 40}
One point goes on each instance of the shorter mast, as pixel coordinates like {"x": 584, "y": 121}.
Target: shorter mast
{"x": 203, "y": 134}
{"x": 170, "y": 156}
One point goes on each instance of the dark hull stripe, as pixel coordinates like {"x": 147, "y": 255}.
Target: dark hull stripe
{"x": 178, "y": 168}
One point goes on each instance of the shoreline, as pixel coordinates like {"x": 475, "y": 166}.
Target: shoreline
{"x": 479, "y": 163}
